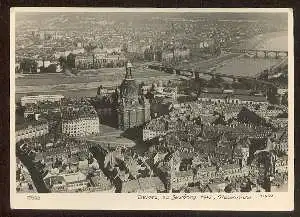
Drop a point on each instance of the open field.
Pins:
(99, 75)
(85, 84)
(66, 93)
(85, 81)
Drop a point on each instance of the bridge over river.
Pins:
(195, 73)
(260, 52)
(211, 70)
(235, 78)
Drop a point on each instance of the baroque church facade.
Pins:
(133, 109)
(125, 108)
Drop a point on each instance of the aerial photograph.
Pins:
(151, 102)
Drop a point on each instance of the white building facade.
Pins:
(40, 98)
(81, 126)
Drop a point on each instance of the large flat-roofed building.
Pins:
(80, 126)
(83, 61)
(40, 98)
(78, 181)
(78, 118)
(70, 182)
(219, 98)
(175, 55)
(100, 60)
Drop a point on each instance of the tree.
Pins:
(28, 65)
(237, 85)
(18, 173)
(124, 48)
(30, 187)
(71, 60)
(284, 100)
(227, 86)
(62, 61)
(215, 82)
(100, 45)
(90, 47)
(228, 188)
(218, 51)
(50, 69)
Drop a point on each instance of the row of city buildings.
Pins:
(44, 113)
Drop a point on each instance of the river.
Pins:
(269, 41)
(273, 41)
(244, 66)
(252, 66)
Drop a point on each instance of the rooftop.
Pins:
(29, 124)
(230, 166)
(240, 97)
(74, 177)
(184, 173)
(100, 181)
(143, 184)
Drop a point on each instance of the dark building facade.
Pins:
(153, 54)
(106, 103)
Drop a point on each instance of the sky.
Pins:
(121, 16)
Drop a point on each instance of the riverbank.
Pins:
(85, 81)
(268, 41)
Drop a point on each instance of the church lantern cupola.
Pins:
(129, 66)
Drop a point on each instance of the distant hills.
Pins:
(55, 20)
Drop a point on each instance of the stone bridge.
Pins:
(261, 53)
(191, 73)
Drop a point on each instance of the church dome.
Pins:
(129, 89)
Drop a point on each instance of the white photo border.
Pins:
(283, 201)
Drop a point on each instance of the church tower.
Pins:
(133, 110)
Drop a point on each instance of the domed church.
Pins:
(128, 87)
(133, 109)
